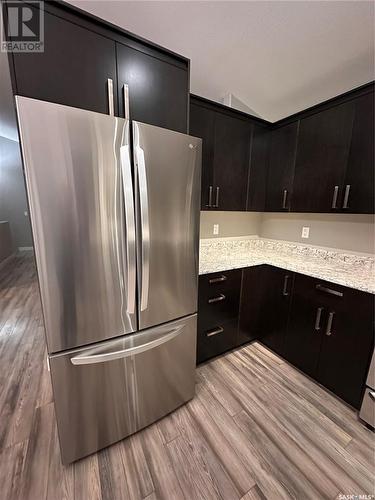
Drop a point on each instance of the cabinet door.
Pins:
(359, 180)
(231, 161)
(252, 307)
(158, 91)
(72, 70)
(307, 319)
(202, 123)
(276, 308)
(322, 155)
(256, 195)
(347, 344)
(265, 301)
(282, 155)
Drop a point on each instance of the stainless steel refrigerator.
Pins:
(115, 217)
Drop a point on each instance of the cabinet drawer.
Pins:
(219, 298)
(215, 340)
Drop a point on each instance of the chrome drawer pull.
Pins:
(346, 196)
(217, 299)
(218, 279)
(285, 195)
(329, 324)
(334, 198)
(216, 331)
(209, 197)
(331, 291)
(318, 317)
(372, 395)
(217, 197)
(285, 289)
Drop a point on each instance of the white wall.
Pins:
(344, 231)
(230, 224)
(13, 204)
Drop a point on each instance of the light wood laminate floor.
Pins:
(256, 429)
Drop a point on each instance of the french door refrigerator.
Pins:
(115, 217)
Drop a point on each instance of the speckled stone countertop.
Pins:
(347, 269)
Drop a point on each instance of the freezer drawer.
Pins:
(107, 392)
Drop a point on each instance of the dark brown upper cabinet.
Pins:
(81, 53)
(322, 156)
(231, 162)
(257, 183)
(282, 156)
(202, 124)
(226, 139)
(358, 185)
(73, 69)
(158, 90)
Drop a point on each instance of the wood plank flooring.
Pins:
(257, 428)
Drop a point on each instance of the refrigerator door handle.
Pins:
(127, 184)
(145, 223)
(97, 355)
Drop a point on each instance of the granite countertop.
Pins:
(337, 266)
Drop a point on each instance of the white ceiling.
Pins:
(277, 57)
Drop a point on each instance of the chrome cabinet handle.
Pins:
(329, 323)
(285, 196)
(372, 394)
(218, 279)
(346, 196)
(98, 354)
(125, 91)
(285, 289)
(318, 318)
(334, 198)
(215, 331)
(217, 197)
(209, 197)
(111, 104)
(331, 291)
(217, 299)
(144, 216)
(127, 185)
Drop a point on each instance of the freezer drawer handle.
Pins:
(331, 291)
(215, 331)
(218, 279)
(127, 184)
(89, 359)
(145, 224)
(217, 299)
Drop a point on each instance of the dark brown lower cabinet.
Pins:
(330, 335)
(265, 301)
(218, 307)
(325, 330)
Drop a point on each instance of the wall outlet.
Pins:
(305, 232)
(216, 228)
